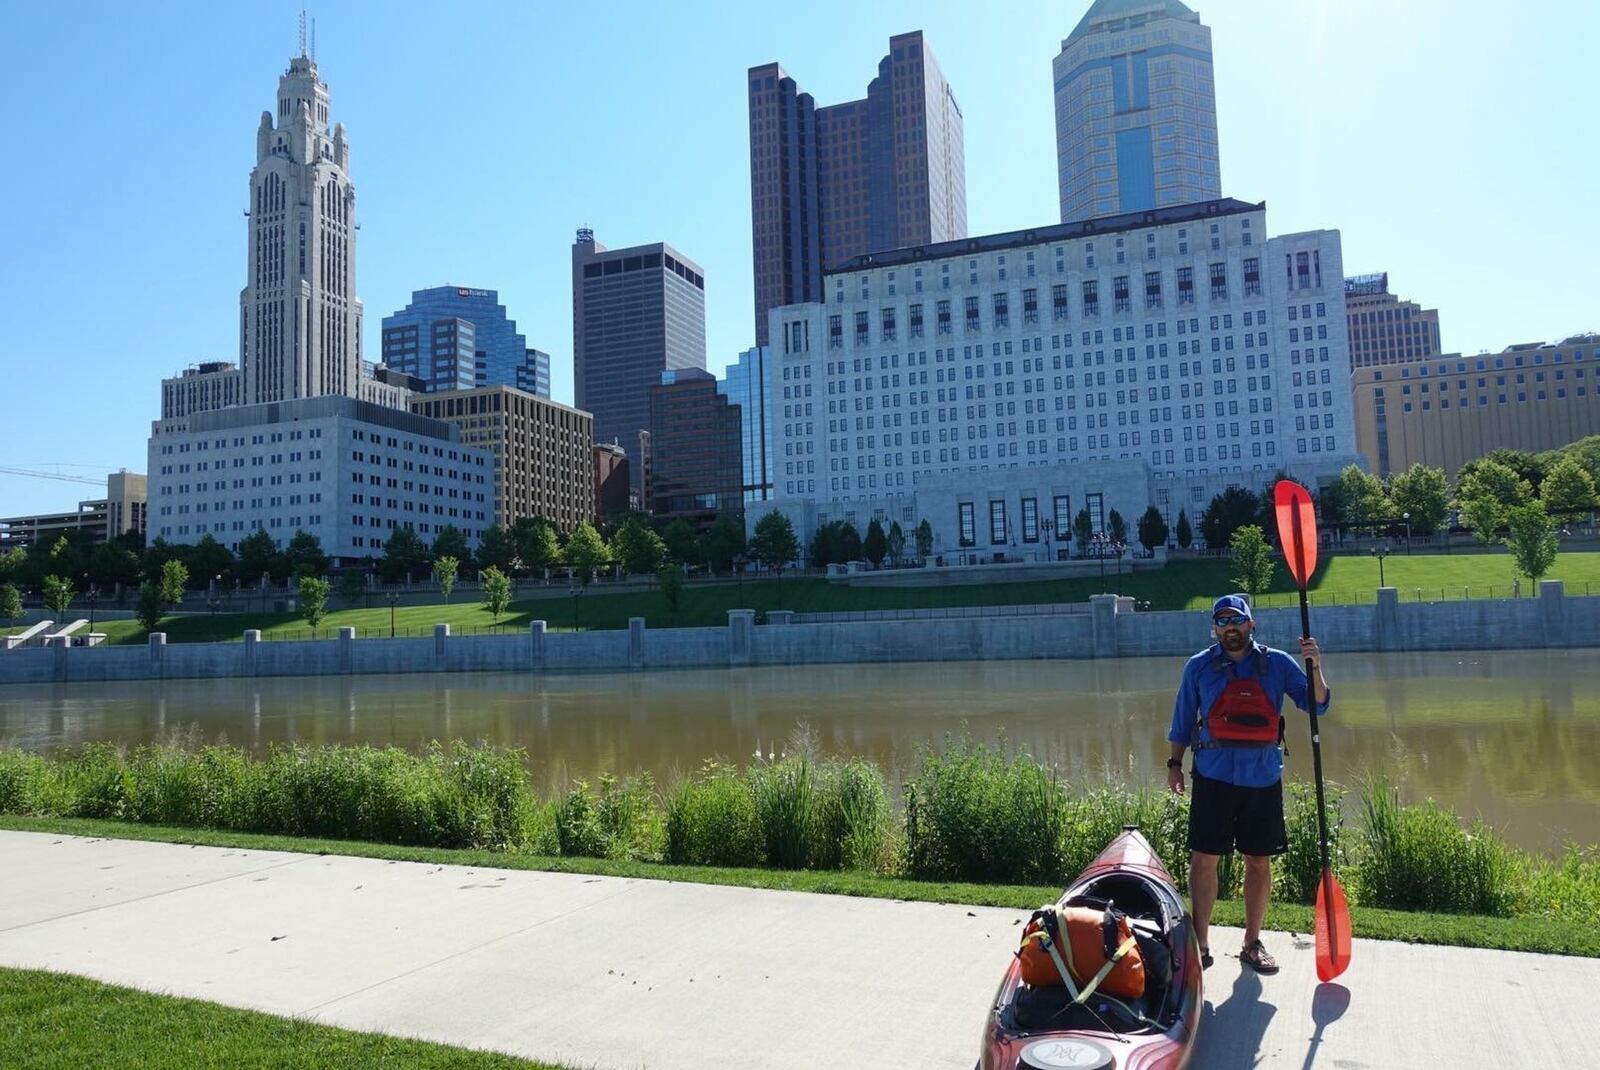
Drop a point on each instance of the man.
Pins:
(1227, 710)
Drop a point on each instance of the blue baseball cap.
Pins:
(1233, 603)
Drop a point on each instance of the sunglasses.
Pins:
(1230, 621)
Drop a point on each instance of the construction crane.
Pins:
(52, 475)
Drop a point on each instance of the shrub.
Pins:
(21, 779)
(623, 821)
(785, 798)
(711, 820)
(1568, 889)
(1093, 820)
(974, 814)
(1419, 858)
(1297, 873)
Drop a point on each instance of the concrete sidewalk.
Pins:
(617, 973)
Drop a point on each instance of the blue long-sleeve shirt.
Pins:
(1204, 678)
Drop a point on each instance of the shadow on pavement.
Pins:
(1230, 1032)
(1327, 1007)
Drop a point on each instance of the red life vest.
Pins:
(1243, 715)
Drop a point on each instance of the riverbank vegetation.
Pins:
(52, 1020)
(973, 815)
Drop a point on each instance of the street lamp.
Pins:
(1381, 552)
(214, 602)
(577, 589)
(738, 570)
(93, 595)
(1407, 518)
(393, 598)
(1045, 526)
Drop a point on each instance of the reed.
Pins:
(1420, 858)
(711, 820)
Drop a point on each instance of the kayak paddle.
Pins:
(1297, 534)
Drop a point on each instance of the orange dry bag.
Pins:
(1086, 941)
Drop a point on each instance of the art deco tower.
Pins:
(299, 317)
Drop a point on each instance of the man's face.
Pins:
(1232, 630)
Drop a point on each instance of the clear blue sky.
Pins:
(1455, 145)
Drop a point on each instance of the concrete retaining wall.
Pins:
(1108, 628)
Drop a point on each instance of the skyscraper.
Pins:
(1384, 328)
(827, 184)
(457, 338)
(299, 317)
(1136, 110)
(745, 385)
(636, 313)
(694, 448)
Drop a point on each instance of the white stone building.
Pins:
(1182, 339)
(299, 316)
(198, 388)
(347, 471)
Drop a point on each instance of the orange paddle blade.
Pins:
(1297, 529)
(1333, 928)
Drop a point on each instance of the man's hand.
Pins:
(1175, 780)
(1310, 652)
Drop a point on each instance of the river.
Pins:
(1511, 736)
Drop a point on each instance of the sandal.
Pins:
(1255, 956)
(1205, 958)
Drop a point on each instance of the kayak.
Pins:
(1039, 1027)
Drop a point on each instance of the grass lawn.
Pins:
(1182, 584)
(53, 1020)
(1512, 934)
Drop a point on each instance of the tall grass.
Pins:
(1420, 858)
(973, 812)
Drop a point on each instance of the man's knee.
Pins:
(1258, 863)
(1199, 860)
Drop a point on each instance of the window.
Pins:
(1152, 291)
(971, 306)
(1030, 306)
(1002, 309)
(1058, 301)
(997, 522)
(1091, 298)
(1252, 277)
(968, 524)
(1119, 294)
(1030, 517)
(1063, 516)
(861, 328)
(1185, 286)
(888, 325)
(943, 314)
(1219, 282)
(915, 320)
(835, 332)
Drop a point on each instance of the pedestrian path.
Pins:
(619, 973)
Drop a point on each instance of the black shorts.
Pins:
(1223, 816)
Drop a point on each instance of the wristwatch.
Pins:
(1174, 763)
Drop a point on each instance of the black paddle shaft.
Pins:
(1316, 737)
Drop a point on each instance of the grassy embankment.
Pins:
(977, 825)
(1182, 584)
(52, 1021)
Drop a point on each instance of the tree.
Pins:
(11, 562)
(1490, 479)
(722, 541)
(449, 542)
(848, 544)
(152, 607)
(1483, 517)
(58, 594)
(1118, 526)
(1227, 513)
(404, 556)
(876, 545)
(682, 541)
(1531, 535)
(1355, 499)
(496, 549)
(1185, 535)
(304, 557)
(537, 546)
(208, 559)
(774, 543)
(444, 570)
(352, 586)
(314, 598)
(1567, 488)
(1423, 492)
(112, 563)
(174, 580)
(638, 549)
(10, 602)
(586, 551)
(1152, 529)
(897, 543)
(1252, 560)
(669, 580)
(496, 591)
(1083, 530)
(258, 556)
(1527, 467)
(924, 539)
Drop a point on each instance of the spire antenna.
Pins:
(302, 31)
(313, 40)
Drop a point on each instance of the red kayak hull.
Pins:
(1003, 1041)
